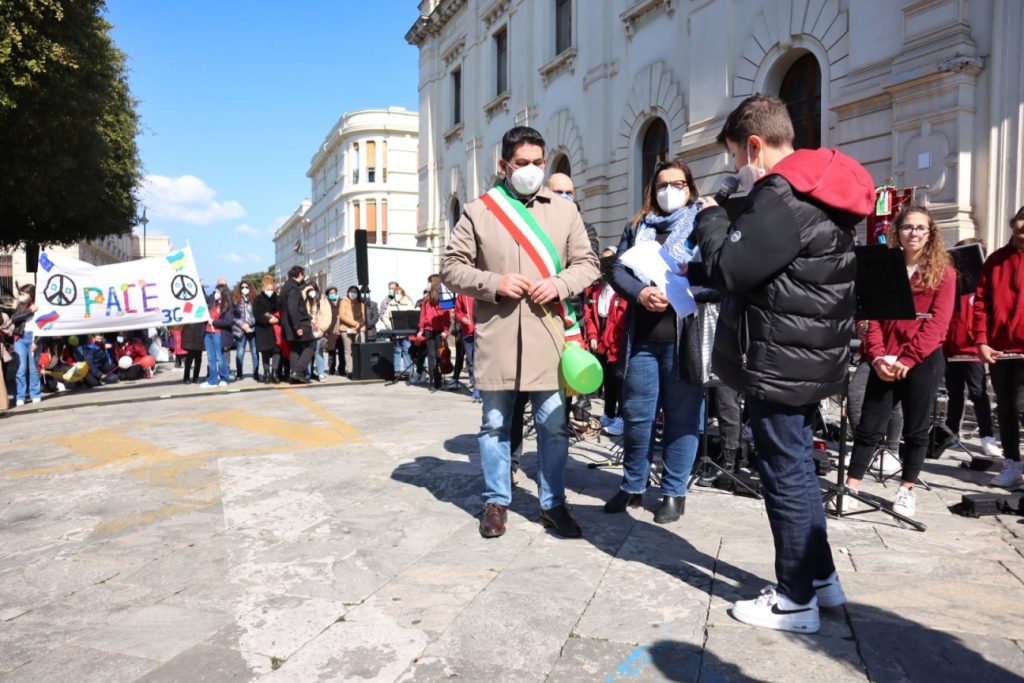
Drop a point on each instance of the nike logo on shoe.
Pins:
(782, 612)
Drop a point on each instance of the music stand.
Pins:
(883, 293)
(705, 461)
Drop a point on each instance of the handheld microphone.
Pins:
(729, 185)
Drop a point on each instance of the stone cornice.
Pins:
(563, 61)
(499, 103)
(430, 25)
(632, 15)
(493, 12)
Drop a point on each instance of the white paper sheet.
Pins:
(647, 261)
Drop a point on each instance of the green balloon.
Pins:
(73, 340)
(581, 370)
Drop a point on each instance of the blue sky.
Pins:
(235, 97)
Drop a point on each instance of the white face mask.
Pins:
(353, 296)
(312, 295)
(216, 296)
(23, 298)
(120, 340)
(268, 292)
(245, 291)
(671, 199)
(527, 180)
(750, 174)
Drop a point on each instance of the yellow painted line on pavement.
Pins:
(306, 434)
(340, 426)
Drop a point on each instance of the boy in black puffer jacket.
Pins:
(786, 269)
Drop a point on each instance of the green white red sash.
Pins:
(527, 233)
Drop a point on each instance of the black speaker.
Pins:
(362, 266)
(373, 360)
(31, 257)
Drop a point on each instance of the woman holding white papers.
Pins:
(652, 376)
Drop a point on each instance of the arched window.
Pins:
(562, 165)
(653, 149)
(801, 91)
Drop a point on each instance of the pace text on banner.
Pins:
(73, 297)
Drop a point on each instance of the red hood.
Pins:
(831, 178)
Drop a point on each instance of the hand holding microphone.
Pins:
(728, 185)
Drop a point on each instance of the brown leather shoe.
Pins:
(492, 522)
(561, 522)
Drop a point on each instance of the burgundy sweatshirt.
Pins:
(999, 301)
(911, 341)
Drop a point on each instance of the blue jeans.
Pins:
(26, 359)
(469, 346)
(652, 379)
(247, 339)
(215, 359)
(552, 446)
(318, 363)
(792, 497)
(401, 359)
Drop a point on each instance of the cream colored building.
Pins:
(928, 92)
(363, 177)
(110, 249)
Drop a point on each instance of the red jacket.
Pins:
(960, 338)
(609, 332)
(999, 301)
(433, 318)
(132, 348)
(911, 341)
(464, 310)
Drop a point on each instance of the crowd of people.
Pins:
(522, 277)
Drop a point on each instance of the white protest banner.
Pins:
(74, 297)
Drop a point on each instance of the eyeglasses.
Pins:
(919, 229)
(566, 195)
(678, 184)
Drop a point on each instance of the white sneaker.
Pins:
(1010, 477)
(849, 505)
(773, 610)
(829, 591)
(888, 461)
(905, 502)
(37, 399)
(222, 383)
(20, 402)
(990, 448)
(615, 428)
(207, 385)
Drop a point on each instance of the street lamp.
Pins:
(143, 221)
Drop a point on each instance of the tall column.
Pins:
(1006, 125)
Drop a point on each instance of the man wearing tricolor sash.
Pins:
(521, 252)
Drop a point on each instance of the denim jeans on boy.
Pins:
(469, 344)
(652, 379)
(552, 446)
(216, 359)
(27, 363)
(246, 340)
(401, 359)
(792, 498)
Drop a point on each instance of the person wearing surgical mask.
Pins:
(332, 342)
(244, 329)
(218, 340)
(650, 360)
(520, 331)
(28, 384)
(352, 324)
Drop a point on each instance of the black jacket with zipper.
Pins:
(786, 268)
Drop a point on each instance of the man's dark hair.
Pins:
(520, 135)
(331, 289)
(761, 115)
(1019, 216)
(296, 271)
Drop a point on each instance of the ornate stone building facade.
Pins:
(928, 92)
(363, 177)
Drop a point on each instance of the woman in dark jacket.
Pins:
(218, 338)
(652, 372)
(264, 310)
(25, 350)
(193, 341)
(242, 330)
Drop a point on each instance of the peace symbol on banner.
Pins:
(184, 288)
(61, 290)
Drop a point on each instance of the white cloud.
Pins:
(186, 199)
(231, 257)
(255, 258)
(246, 229)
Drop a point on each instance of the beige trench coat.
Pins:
(517, 347)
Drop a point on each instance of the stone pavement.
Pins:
(329, 533)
